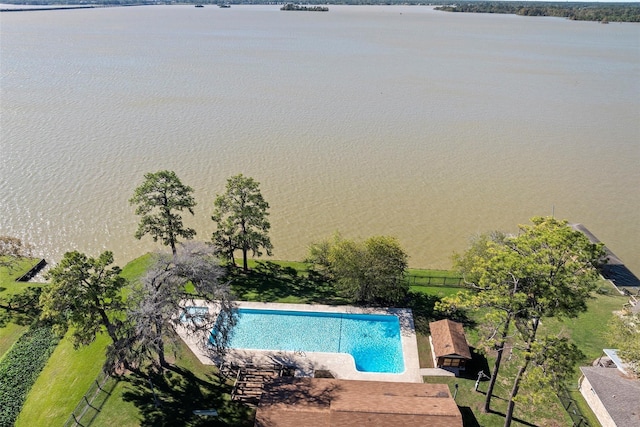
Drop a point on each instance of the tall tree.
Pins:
(547, 270)
(158, 303)
(85, 293)
(159, 199)
(241, 218)
(367, 272)
(474, 265)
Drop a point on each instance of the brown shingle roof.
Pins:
(448, 339)
(296, 402)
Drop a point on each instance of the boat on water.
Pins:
(199, 5)
(224, 5)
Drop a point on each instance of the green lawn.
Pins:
(188, 386)
(62, 383)
(589, 329)
(8, 286)
(69, 373)
(9, 335)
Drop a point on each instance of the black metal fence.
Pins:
(569, 404)
(434, 281)
(92, 402)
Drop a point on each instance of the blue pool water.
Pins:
(372, 340)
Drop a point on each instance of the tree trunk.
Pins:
(496, 366)
(159, 330)
(514, 392)
(245, 264)
(111, 328)
(173, 248)
(161, 358)
(516, 383)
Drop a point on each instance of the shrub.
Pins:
(20, 368)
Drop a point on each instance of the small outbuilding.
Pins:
(449, 345)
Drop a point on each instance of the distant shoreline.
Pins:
(39, 9)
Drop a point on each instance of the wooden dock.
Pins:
(614, 270)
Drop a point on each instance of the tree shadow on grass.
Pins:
(478, 363)
(424, 311)
(270, 282)
(468, 418)
(21, 308)
(169, 399)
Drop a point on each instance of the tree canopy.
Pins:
(159, 199)
(367, 272)
(624, 334)
(85, 294)
(241, 215)
(547, 270)
(157, 303)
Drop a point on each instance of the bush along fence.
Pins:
(20, 367)
(569, 404)
(93, 400)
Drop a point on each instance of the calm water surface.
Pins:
(405, 121)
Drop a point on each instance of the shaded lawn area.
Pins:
(272, 282)
(170, 399)
(588, 331)
(471, 402)
(69, 373)
(293, 282)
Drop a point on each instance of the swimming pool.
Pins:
(372, 339)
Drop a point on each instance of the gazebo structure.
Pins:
(448, 345)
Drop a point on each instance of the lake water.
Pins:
(403, 121)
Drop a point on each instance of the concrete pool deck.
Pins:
(341, 365)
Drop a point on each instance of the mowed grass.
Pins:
(187, 386)
(69, 373)
(10, 333)
(62, 383)
(587, 331)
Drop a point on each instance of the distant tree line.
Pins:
(604, 12)
(245, 2)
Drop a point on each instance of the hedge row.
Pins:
(20, 367)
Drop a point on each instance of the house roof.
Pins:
(619, 394)
(448, 339)
(321, 402)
